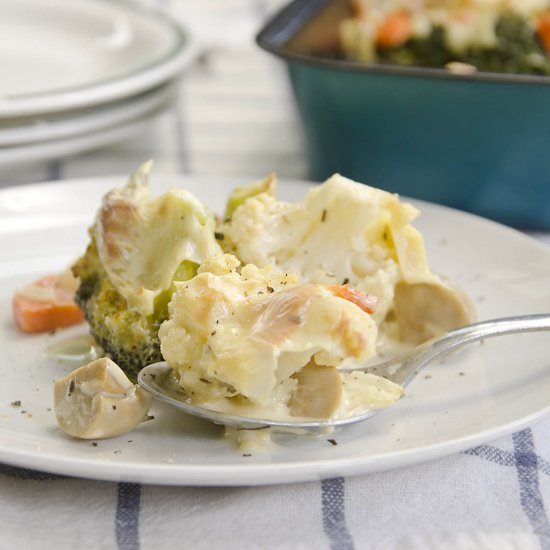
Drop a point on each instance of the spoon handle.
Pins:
(465, 335)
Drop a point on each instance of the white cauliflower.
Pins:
(342, 233)
(141, 241)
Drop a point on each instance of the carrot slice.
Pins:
(364, 301)
(544, 30)
(53, 309)
(395, 30)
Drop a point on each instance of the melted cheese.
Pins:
(239, 341)
(142, 241)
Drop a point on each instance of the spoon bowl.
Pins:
(160, 381)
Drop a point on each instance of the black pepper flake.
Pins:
(205, 380)
(114, 407)
(213, 333)
(332, 441)
(130, 440)
(270, 289)
(247, 454)
(116, 452)
(93, 444)
(324, 215)
(72, 386)
(49, 409)
(23, 411)
(16, 403)
(345, 281)
(219, 236)
(461, 373)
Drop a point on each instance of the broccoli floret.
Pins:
(139, 246)
(518, 50)
(240, 194)
(127, 337)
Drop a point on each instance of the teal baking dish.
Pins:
(475, 142)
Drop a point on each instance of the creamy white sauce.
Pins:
(251, 442)
(79, 349)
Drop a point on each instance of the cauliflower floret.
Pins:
(346, 233)
(141, 241)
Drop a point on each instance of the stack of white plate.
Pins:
(79, 74)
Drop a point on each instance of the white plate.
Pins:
(63, 148)
(472, 397)
(17, 132)
(66, 54)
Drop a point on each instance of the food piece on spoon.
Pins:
(47, 304)
(98, 401)
(344, 232)
(257, 343)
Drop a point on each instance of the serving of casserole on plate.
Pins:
(471, 398)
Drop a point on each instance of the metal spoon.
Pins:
(159, 380)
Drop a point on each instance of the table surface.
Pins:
(235, 117)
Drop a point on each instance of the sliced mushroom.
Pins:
(426, 310)
(319, 392)
(98, 401)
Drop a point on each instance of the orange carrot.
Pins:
(544, 30)
(395, 30)
(53, 309)
(363, 300)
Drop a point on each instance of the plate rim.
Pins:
(250, 474)
(71, 145)
(183, 52)
(37, 130)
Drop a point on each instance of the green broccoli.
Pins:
(139, 246)
(518, 50)
(125, 335)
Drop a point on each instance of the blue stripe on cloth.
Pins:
(24, 473)
(334, 518)
(529, 488)
(493, 454)
(544, 465)
(127, 516)
(505, 458)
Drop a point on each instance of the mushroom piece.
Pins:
(428, 309)
(319, 391)
(98, 401)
